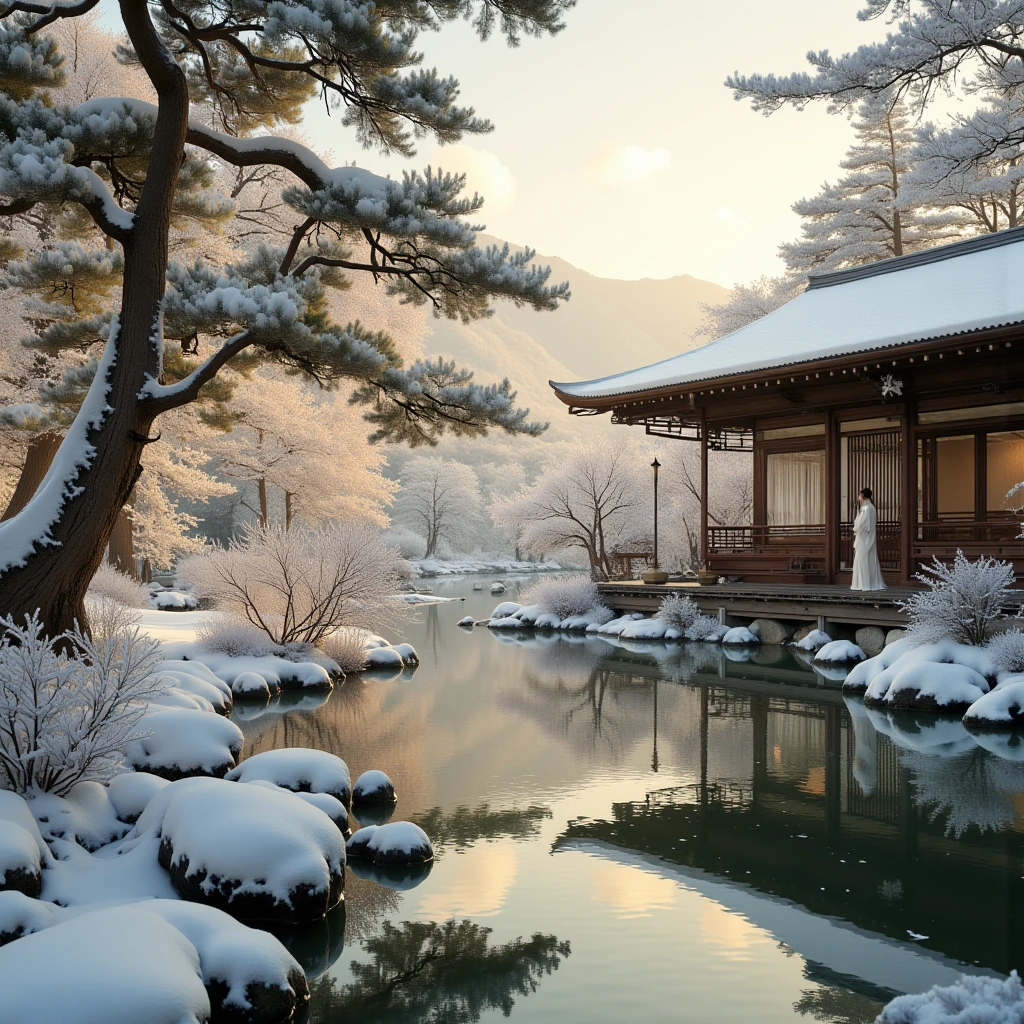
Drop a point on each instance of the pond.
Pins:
(656, 833)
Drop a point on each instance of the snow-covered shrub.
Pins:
(704, 628)
(67, 718)
(565, 597)
(679, 611)
(112, 583)
(231, 635)
(972, 998)
(962, 601)
(300, 585)
(408, 543)
(108, 617)
(347, 647)
(1007, 650)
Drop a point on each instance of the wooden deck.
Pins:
(737, 603)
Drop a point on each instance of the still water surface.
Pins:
(656, 833)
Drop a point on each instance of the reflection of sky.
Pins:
(524, 723)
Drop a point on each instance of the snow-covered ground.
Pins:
(424, 567)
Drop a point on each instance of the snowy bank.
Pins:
(427, 567)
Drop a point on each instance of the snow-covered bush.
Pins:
(565, 597)
(237, 637)
(962, 601)
(704, 628)
(679, 611)
(112, 583)
(67, 718)
(1007, 649)
(300, 585)
(408, 543)
(972, 998)
(347, 647)
(108, 617)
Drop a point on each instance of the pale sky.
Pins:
(617, 147)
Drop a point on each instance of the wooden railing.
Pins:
(726, 539)
(969, 531)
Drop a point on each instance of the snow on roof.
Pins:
(966, 286)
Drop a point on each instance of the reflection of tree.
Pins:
(465, 826)
(837, 1006)
(436, 973)
(972, 789)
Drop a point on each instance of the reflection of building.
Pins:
(793, 823)
(904, 376)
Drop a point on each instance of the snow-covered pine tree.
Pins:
(968, 167)
(865, 216)
(122, 161)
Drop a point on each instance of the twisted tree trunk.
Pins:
(53, 577)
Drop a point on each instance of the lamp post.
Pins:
(654, 573)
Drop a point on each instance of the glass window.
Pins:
(954, 477)
(796, 488)
(1004, 470)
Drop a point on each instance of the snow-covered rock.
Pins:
(259, 853)
(839, 652)
(915, 666)
(225, 667)
(498, 588)
(20, 861)
(86, 816)
(300, 769)
(130, 793)
(930, 686)
(508, 622)
(249, 685)
(398, 842)
(373, 787)
(173, 601)
(1001, 708)
(739, 636)
(218, 695)
(506, 609)
(384, 657)
(467, 620)
(14, 808)
(613, 627)
(159, 961)
(974, 999)
(649, 629)
(23, 915)
(408, 653)
(179, 743)
(813, 640)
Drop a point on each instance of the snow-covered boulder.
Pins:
(974, 999)
(86, 816)
(331, 806)
(261, 854)
(225, 667)
(498, 588)
(14, 808)
(22, 915)
(945, 662)
(384, 657)
(251, 685)
(173, 601)
(178, 743)
(159, 961)
(740, 636)
(813, 640)
(467, 621)
(218, 696)
(20, 860)
(613, 627)
(300, 769)
(650, 629)
(506, 609)
(508, 622)
(1001, 708)
(408, 653)
(862, 675)
(930, 686)
(130, 793)
(172, 697)
(399, 843)
(373, 787)
(839, 652)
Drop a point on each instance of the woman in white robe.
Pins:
(867, 571)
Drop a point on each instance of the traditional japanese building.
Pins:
(905, 376)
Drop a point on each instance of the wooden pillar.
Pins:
(704, 487)
(908, 491)
(832, 514)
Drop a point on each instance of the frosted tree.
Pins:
(969, 168)
(314, 454)
(126, 164)
(440, 499)
(930, 50)
(593, 500)
(746, 303)
(865, 216)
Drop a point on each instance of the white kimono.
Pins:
(867, 572)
